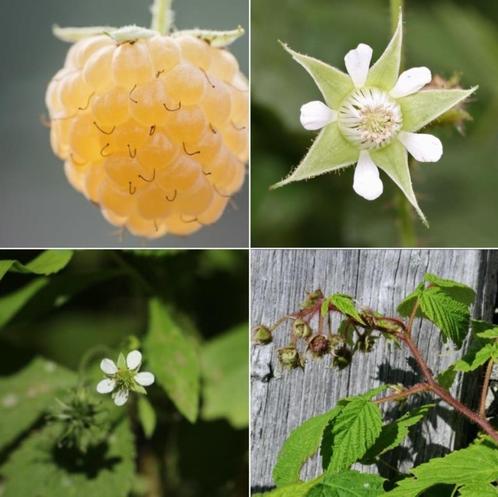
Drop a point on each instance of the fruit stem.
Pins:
(162, 16)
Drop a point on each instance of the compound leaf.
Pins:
(26, 395)
(224, 369)
(173, 359)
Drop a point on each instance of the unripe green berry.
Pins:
(301, 329)
(342, 357)
(262, 335)
(289, 357)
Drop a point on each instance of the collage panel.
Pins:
(124, 123)
(374, 372)
(124, 373)
(373, 123)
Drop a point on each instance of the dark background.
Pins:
(457, 194)
(38, 208)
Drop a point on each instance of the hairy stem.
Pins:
(162, 16)
(485, 388)
(406, 226)
(404, 394)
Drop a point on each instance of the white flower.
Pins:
(123, 377)
(370, 118)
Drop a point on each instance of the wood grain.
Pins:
(378, 279)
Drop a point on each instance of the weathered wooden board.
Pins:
(379, 279)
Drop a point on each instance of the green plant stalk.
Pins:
(162, 16)
(406, 226)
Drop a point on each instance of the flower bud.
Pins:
(342, 357)
(289, 357)
(319, 345)
(262, 335)
(301, 329)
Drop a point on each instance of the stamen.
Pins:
(369, 118)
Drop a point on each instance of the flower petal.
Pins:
(120, 397)
(411, 81)
(367, 182)
(134, 359)
(358, 62)
(106, 386)
(316, 115)
(144, 378)
(108, 366)
(423, 147)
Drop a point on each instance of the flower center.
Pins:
(369, 118)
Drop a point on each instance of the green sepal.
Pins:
(121, 361)
(73, 34)
(329, 152)
(334, 84)
(384, 73)
(393, 160)
(425, 106)
(138, 388)
(217, 39)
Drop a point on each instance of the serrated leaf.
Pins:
(425, 106)
(478, 490)
(300, 489)
(454, 289)
(345, 304)
(405, 308)
(348, 484)
(384, 73)
(334, 84)
(48, 262)
(449, 315)
(26, 395)
(394, 433)
(301, 444)
(349, 435)
(12, 303)
(147, 416)
(477, 464)
(476, 357)
(225, 366)
(173, 359)
(36, 469)
(490, 334)
(330, 152)
(393, 160)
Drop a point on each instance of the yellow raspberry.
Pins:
(153, 130)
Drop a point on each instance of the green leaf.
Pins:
(384, 73)
(393, 160)
(477, 464)
(345, 304)
(12, 303)
(26, 395)
(225, 366)
(330, 151)
(455, 290)
(334, 84)
(348, 484)
(478, 490)
(477, 357)
(425, 106)
(147, 416)
(351, 433)
(449, 315)
(38, 468)
(300, 489)
(301, 444)
(394, 433)
(173, 359)
(48, 262)
(491, 334)
(447, 377)
(405, 308)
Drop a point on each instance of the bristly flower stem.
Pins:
(162, 16)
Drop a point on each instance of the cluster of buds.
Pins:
(356, 332)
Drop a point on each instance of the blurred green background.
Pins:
(38, 206)
(101, 299)
(458, 194)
